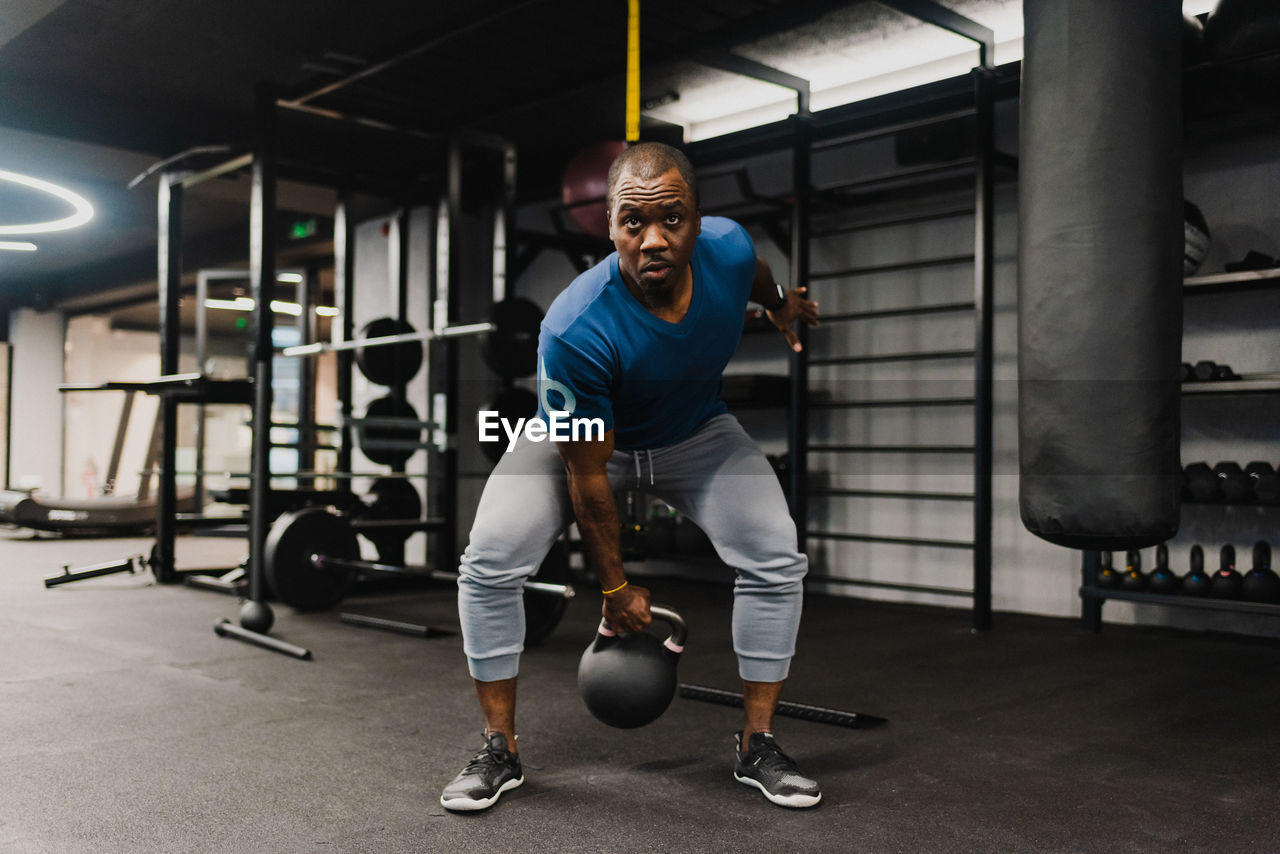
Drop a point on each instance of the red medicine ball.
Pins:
(583, 186)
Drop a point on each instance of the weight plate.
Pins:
(392, 498)
(408, 437)
(511, 348)
(389, 364)
(293, 539)
(543, 611)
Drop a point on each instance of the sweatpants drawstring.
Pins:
(635, 455)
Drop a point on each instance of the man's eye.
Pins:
(673, 219)
(631, 222)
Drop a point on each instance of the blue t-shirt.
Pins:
(602, 354)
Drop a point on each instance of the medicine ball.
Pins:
(583, 186)
(1195, 238)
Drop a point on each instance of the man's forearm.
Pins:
(597, 514)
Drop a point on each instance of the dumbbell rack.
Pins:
(1092, 596)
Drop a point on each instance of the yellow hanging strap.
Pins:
(633, 70)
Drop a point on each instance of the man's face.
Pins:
(653, 224)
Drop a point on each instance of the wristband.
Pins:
(782, 298)
(616, 589)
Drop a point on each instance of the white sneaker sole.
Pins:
(470, 805)
(792, 801)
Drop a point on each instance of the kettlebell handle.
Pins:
(679, 631)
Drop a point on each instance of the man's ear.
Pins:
(697, 217)
(608, 218)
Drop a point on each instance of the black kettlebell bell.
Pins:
(1261, 584)
(1162, 579)
(628, 680)
(1133, 579)
(1227, 583)
(1197, 582)
(1108, 576)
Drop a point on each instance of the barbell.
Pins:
(312, 556)
(509, 344)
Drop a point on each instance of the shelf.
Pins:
(1202, 602)
(1247, 384)
(1244, 280)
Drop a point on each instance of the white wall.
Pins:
(35, 437)
(94, 354)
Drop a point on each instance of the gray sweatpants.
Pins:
(717, 477)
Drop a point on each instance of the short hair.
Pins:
(648, 160)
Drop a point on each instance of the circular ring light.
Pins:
(82, 213)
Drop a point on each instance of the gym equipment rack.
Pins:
(806, 133)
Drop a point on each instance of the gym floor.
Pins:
(128, 726)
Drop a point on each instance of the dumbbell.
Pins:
(1196, 582)
(1266, 483)
(1133, 579)
(1163, 579)
(1227, 583)
(1261, 584)
(1108, 576)
(1202, 483)
(1235, 485)
(1205, 371)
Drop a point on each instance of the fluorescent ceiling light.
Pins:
(17, 245)
(81, 213)
(278, 306)
(849, 55)
(237, 304)
(292, 278)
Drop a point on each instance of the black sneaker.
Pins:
(773, 772)
(491, 772)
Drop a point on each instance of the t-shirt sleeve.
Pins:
(572, 381)
(737, 252)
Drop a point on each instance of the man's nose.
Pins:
(653, 240)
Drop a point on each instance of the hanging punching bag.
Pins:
(1100, 278)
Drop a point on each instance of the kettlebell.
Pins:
(1133, 579)
(1197, 582)
(1108, 576)
(628, 680)
(1261, 584)
(1162, 579)
(1227, 583)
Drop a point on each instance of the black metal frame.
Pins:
(801, 138)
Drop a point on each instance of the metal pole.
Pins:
(504, 229)
(984, 300)
(344, 274)
(306, 291)
(202, 355)
(447, 553)
(169, 278)
(262, 278)
(798, 411)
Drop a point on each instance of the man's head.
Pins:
(649, 160)
(653, 220)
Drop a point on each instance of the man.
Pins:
(640, 341)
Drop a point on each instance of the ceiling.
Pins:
(96, 91)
